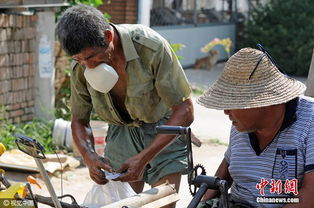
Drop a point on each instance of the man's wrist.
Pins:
(145, 156)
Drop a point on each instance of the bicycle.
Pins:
(13, 191)
(198, 183)
(33, 148)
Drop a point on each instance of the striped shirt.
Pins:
(289, 156)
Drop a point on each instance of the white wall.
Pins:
(194, 38)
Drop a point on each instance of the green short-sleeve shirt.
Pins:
(155, 80)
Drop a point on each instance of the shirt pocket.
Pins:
(143, 102)
(285, 164)
(140, 90)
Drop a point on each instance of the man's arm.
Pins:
(306, 193)
(84, 140)
(223, 173)
(182, 116)
(81, 107)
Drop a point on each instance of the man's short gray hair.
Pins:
(80, 27)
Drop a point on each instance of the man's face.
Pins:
(247, 120)
(92, 57)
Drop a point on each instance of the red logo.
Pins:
(290, 186)
(276, 186)
(261, 186)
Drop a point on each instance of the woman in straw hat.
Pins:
(271, 147)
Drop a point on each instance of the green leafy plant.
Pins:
(177, 47)
(94, 3)
(285, 29)
(40, 130)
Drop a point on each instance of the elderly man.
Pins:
(132, 78)
(271, 148)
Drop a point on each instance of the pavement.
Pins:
(77, 182)
(209, 124)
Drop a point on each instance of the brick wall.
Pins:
(121, 11)
(17, 66)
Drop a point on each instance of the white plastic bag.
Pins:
(101, 195)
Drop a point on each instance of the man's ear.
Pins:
(108, 35)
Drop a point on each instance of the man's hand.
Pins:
(132, 169)
(96, 166)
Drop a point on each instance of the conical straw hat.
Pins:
(239, 88)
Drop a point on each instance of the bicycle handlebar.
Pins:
(209, 182)
(165, 129)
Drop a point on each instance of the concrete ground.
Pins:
(78, 183)
(208, 124)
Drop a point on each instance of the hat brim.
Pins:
(228, 96)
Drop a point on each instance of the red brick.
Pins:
(19, 21)
(19, 84)
(9, 33)
(5, 86)
(11, 20)
(4, 73)
(33, 20)
(12, 59)
(15, 113)
(23, 105)
(20, 72)
(24, 118)
(30, 102)
(24, 46)
(15, 84)
(3, 20)
(121, 10)
(19, 96)
(20, 58)
(17, 46)
(26, 21)
(10, 46)
(25, 70)
(29, 33)
(16, 120)
(9, 98)
(32, 70)
(32, 58)
(29, 110)
(15, 106)
(2, 101)
(26, 57)
(30, 117)
(30, 81)
(3, 34)
(4, 47)
(17, 34)
(4, 60)
(29, 95)
(32, 45)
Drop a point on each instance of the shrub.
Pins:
(285, 29)
(40, 130)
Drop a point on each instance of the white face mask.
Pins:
(102, 78)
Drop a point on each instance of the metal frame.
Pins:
(27, 6)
